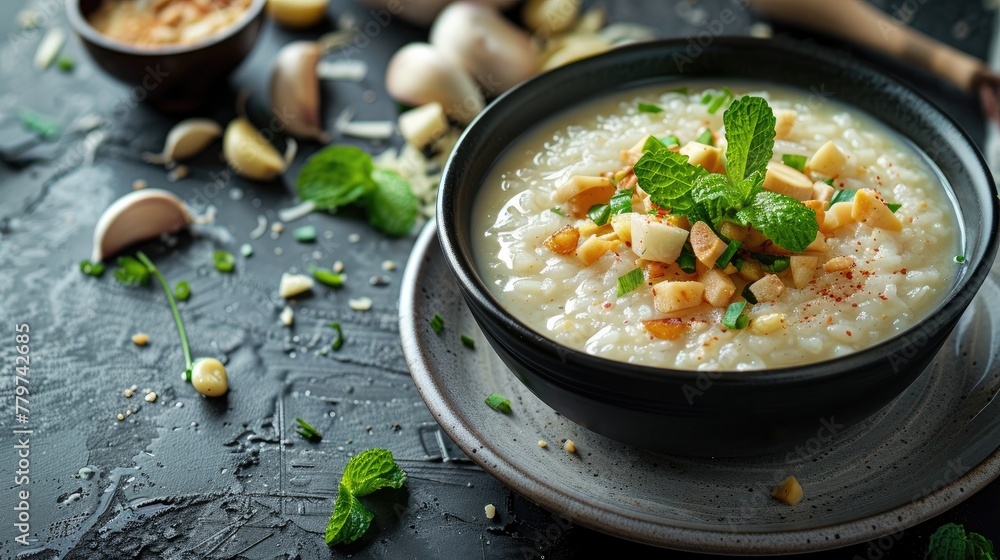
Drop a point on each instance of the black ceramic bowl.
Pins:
(734, 413)
(173, 78)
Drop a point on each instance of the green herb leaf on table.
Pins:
(350, 519)
(182, 290)
(336, 176)
(339, 341)
(131, 272)
(951, 542)
(392, 206)
(65, 64)
(91, 269)
(499, 403)
(327, 276)
(306, 430)
(224, 261)
(305, 234)
(469, 342)
(372, 470)
(42, 125)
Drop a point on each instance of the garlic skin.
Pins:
(297, 14)
(419, 74)
(475, 37)
(295, 89)
(250, 155)
(137, 216)
(422, 12)
(186, 139)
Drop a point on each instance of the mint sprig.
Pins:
(367, 472)
(736, 196)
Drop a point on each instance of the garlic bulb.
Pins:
(419, 74)
(496, 53)
(295, 89)
(186, 139)
(137, 216)
(250, 154)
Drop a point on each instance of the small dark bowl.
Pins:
(174, 78)
(725, 413)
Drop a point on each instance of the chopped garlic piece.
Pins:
(491, 511)
(294, 284)
(287, 316)
(360, 304)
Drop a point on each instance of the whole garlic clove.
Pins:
(546, 18)
(250, 155)
(186, 139)
(138, 216)
(419, 74)
(496, 53)
(295, 98)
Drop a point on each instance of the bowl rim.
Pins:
(946, 313)
(81, 25)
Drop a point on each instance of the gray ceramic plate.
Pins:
(930, 449)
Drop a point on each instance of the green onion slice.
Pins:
(794, 161)
(734, 317)
(649, 108)
(748, 295)
(499, 403)
(630, 281)
(437, 323)
(224, 261)
(728, 254)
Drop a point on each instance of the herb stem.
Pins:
(173, 306)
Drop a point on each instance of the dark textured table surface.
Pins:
(187, 477)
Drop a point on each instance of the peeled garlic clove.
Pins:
(479, 40)
(424, 124)
(545, 18)
(186, 139)
(137, 216)
(292, 285)
(295, 89)
(576, 49)
(419, 74)
(249, 153)
(297, 14)
(208, 377)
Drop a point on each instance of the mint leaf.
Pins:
(668, 178)
(716, 199)
(371, 470)
(335, 176)
(784, 220)
(749, 124)
(392, 207)
(349, 521)
(950, 542)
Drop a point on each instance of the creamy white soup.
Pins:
(639, 229)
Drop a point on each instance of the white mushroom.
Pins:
(496, 53)
(419, 74)
(138, 216)
(420, 12)
(295, 89)
(186, 139)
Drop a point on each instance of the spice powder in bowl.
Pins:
(157, 23)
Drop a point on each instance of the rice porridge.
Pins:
(716, 229)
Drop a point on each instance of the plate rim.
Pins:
(644, 529)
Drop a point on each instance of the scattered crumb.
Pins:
(491, 511)
(388, 266)
(542, 443)
(360, 304)
(140, 339)
(278, 251)
(129, 392)
(120, 416)
(246, 249)
(150, 397)
(368, 96)
(354, 238)
(569, 446)
(139, 184)
(338, 267)
(277, 227)
(789, 491)
(287, 316)
(177, 173)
